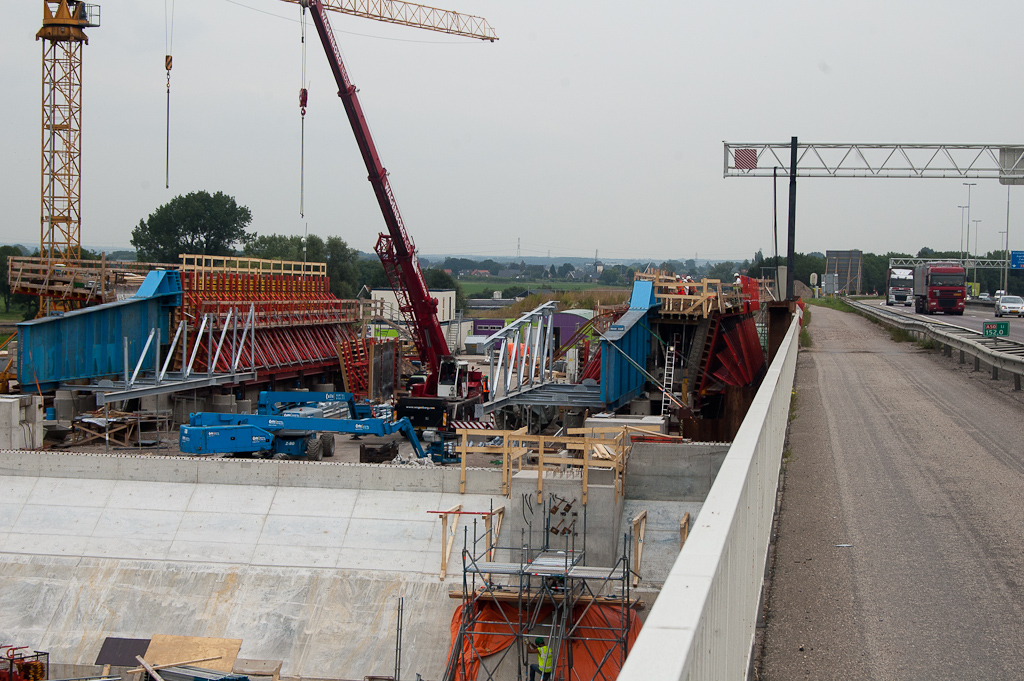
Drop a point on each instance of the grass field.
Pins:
(477, 286)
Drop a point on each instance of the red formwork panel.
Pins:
(297, 321)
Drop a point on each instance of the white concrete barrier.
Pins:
(702, 625)
(229, 471)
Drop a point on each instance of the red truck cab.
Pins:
(940, 287)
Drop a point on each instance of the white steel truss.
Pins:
(1004, 162)
(979, 263)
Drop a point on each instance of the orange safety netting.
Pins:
(592, 660)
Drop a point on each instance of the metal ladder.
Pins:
(454, 331)
(670, 374)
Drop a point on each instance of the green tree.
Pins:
(439, 280)
(723, 271)
(371, 274)
(197, 222)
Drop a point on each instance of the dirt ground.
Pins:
(897, 547)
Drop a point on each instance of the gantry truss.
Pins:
(979, 263)
(840, 159)
(585, 614)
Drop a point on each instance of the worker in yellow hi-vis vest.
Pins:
(545, 660)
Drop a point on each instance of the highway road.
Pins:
(972, 318)
(898, 548)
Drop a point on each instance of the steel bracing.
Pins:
(980, 263)
(583, 613)
(841, 159)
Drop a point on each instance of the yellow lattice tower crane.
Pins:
(58, 276)
(63, 37)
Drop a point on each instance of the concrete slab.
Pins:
(661, 538)
(309, 575)
(315, 502)
(248, 499)
(71, 492)
(304, 531)
(16, 490)
(142, 494)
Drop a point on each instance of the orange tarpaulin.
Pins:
(592, 660)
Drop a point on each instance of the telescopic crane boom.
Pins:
(395, 249)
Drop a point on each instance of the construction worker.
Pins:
(545, 660)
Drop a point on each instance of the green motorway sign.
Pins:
(992, 329)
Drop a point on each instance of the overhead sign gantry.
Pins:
(1004, 162)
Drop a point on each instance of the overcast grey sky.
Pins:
(588, 125)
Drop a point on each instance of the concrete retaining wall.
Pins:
(673, 472)
(21, 421)
(603, 515)
(264, 472)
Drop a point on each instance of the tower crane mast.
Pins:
(63, 37)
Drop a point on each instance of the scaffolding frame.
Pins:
(546, 582)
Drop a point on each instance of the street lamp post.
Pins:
(1002, 275)
(975, 248)
(1006, 262)
(961, 231)
(969, 185)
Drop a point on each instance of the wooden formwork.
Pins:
(579, 449)
(702, 298)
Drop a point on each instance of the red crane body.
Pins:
(447, 379)
(396, 250)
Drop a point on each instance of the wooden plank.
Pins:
(462, 479)
(149, 668)
(166, 649)
(136, 670)
(509, 595)
(540, 479)
(586, 473)
(684, 529)
(639, 529)
(448, 538)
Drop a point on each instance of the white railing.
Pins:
(702, 625)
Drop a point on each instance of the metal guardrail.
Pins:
(999, 353)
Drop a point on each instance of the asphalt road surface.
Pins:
(898, 552)
(972, 318)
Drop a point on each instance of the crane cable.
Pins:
(168, 42)
(303, 95)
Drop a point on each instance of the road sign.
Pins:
(1017, 260)
(992, 329)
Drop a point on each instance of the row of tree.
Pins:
(214, 224)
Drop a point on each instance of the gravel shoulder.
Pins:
(898, 543)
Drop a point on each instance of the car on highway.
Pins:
(1010, 305)
(984, 296)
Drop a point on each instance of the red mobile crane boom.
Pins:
(396, 250)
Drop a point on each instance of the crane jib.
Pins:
(397, 253)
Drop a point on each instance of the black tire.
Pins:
(327, 444)
(314, 448)
(889, 303)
